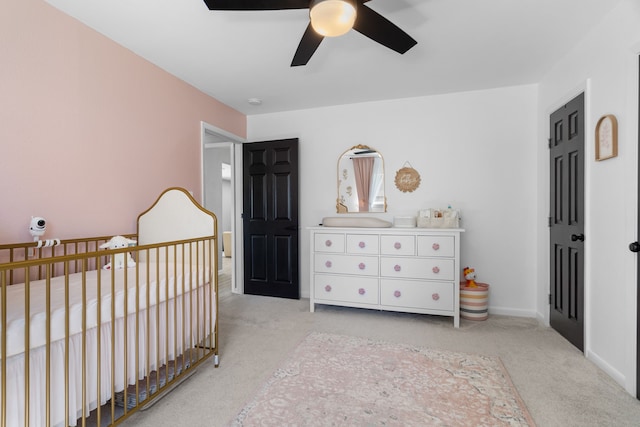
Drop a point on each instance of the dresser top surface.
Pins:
(386, 230)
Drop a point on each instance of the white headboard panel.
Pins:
(175, 216)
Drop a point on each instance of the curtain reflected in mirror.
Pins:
(361, 181)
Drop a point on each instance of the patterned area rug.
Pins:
(333, 380)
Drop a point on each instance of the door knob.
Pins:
(575, 237)
(634, 247)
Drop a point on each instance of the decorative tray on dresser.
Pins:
(414, 270)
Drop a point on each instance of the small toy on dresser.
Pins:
(118, 242)
(470, 276)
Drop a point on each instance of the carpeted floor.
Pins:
(337, 380)
(559, 386)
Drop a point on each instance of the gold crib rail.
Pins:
(140, 330)
(14, 252)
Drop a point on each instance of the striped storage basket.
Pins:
(474, 302)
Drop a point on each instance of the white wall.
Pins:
(605, 64)
(473, 150)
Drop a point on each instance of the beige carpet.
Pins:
(561, 388)
(336, 380)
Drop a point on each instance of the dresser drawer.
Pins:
(346, 264)
(329, 242)
(397, 245)
(417, 268)
(438, 246)
(362, 244)
(362, 290)
(417, 294)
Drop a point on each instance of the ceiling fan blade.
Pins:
(378, 28)
(308, 45)
(256, 4)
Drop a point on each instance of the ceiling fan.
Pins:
(328, 18)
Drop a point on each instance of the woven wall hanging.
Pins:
(407, 178)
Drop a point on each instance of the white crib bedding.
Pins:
(166, 329)
(16, 299)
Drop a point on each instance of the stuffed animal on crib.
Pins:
(118, 242)
(470, 276)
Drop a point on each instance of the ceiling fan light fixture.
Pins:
(332, 18)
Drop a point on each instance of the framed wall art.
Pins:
(606, 137)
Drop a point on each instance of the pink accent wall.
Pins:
(90, 133)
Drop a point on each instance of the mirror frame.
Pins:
(341, 207)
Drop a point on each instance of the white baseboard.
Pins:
(610, 370)
(516, 312)
(542, 320)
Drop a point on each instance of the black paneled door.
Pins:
(635, 247)
(270, 218)
(566, 221)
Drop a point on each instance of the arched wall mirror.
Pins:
(361, 181)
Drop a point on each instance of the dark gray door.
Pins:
(635, 247)
(566, 221)
(270, 218)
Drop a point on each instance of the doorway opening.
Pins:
(219, 177)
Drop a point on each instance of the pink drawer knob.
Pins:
(361, 266)
(435, 269)
(327, 288)
(361, 291)
(397, 267)
(435, 297)
(397, 245)
(397, 294)
(435, 246)
(327, 264)
(361, 244)
(328, 243)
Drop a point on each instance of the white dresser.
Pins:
(414, 270)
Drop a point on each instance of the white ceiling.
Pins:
(233, 56)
